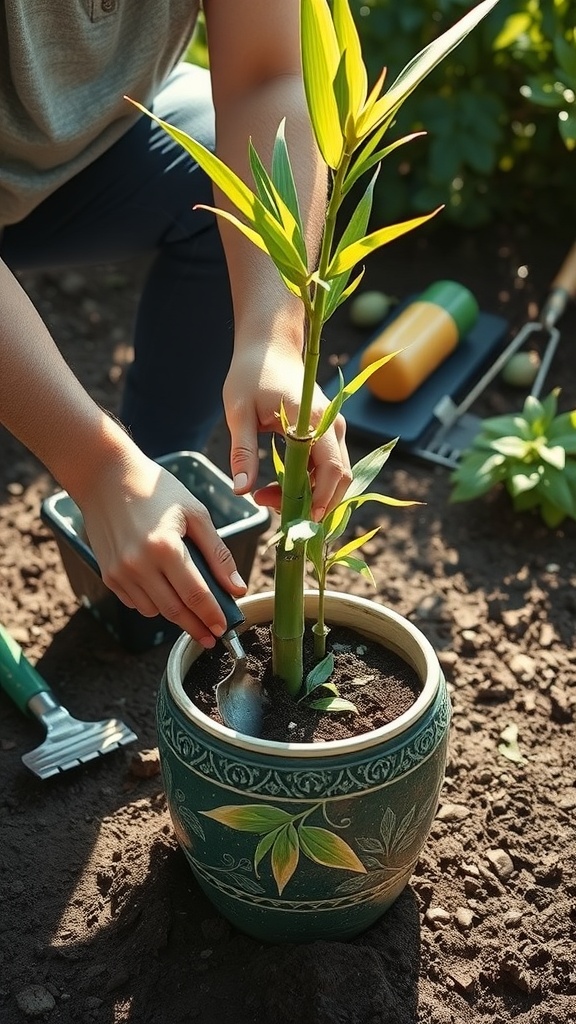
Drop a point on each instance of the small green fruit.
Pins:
(370, 308)
(521, 369)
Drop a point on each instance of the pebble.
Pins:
(35, 1000)
(513, 919)
(501, 863)
(452, 812)
(464, 918)
(437, 917)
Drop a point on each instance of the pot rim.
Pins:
(186, 650)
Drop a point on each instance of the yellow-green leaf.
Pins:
(320, 59)
(364, 246)
(422, 64)
(354, 544)
(349, 43)
(276, 242)
(285, 856)
(329, 849)
(249, 817)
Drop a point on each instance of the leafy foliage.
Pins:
(500, 111)
(532, 454)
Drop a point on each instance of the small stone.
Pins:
(35, 1000)
(501, 863)
(464, 918)
(513, 919)
(145, 764)
(15, 488)
(437, 917)
(452, 812)
(462, 979)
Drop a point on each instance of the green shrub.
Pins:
(492, 111)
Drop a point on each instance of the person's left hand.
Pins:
(261, 377)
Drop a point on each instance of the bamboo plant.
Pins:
(350, 120)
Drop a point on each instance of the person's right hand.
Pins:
(136, 515)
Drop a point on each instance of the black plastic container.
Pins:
(238, 520)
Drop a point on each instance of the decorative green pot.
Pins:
(296, 842)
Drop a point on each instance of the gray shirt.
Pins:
(65, 66)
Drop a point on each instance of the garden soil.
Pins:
(100, 919)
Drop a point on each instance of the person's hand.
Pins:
(260, 378)
(135, 516)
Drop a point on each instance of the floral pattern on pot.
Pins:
(297, 842)
(331, 851)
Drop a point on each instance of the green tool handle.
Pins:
(18, 678)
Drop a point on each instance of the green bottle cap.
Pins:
(457, 300)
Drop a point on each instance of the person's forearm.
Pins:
(41, 401)
(260, 298)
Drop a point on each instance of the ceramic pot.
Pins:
(296, 842)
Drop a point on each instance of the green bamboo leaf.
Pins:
(383, 499)
(327, 848)
(357, 382)
(266, 193)
(368, 162)
(277, 462)
(320, 673)
(331, 411)
(348, 257)
(349, 43)
(339, 292)
(320, 59)
(260, 220)
(249, 817)
(315, 552)
(283, 176)
(274, 202)
(353, 545)
(299, 532)
(355, 565)
(366, 469)
(360, 218)
(333, 704)
(336, 522)
(422, 64)
(285, 856)
(268, 241)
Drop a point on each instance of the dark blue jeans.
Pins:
(138, 199)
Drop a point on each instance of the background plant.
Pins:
(500, 111)
(531, 454)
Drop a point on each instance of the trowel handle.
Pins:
(234, 617)
(562, 289)
(18, 678)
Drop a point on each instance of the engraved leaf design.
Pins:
(192, 821)
(245, 883)
(249, 817)
(328, 849)
(285, 856)
(387, 826)
(369, 845)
